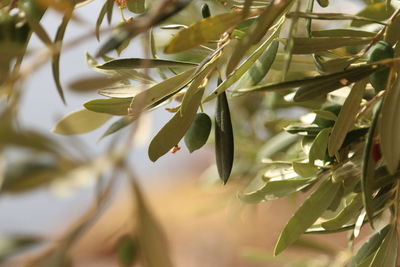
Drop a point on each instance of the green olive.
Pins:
(378, 79)
(198, 132)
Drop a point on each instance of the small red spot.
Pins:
(376, 152)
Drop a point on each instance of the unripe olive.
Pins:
(205, 11)
(198, 132)
(378, 79)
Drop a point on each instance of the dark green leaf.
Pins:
(55, 62)
(307, 214)
(224, 143)
(317, 44)
(368, 167)
(342, 33)
(127, 251)
(136, 63)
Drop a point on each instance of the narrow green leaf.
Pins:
(368, 167)
(100, 19)
(276, 189)
(272, 13)
(345, 215)
(79, 122)
(387, 252)
(124, 91)
(110, 8)
(336, 16)
(152, 241)
(247, 65)
(342, 33)
(175, 129)
(55, 61)
(375, 11)
(307, 214)
(93, 82)
(346, 117)
(369, 247)
(202, 32)
(161, 90)
(312, 45)
(198, 132)
(390, 128)
(224, 143)
(316, 81)
(118, 125)
(113, 106)
(319, 146)
(137, 63)
(136, 6)
(260, 68)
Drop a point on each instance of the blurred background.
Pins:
(205, 223)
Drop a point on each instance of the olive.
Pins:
(378, 79)
(198, 132)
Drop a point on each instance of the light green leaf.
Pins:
(307, 214)
(118, 125)
(370, 247)
(113, 106)
(93, 83)
(304, 169)
(271, 14)
(276, 189)
(375, 11)
(346, 117)
(203, 31)
(260, 68)
(79, 122)
(175, 129)
(100, 18)
(387, 252)
(124, 91)
(312, 45)
(248, 64)
(319, 146)
(136, 6)
(390, 128)
(351, 211)
(137, 63)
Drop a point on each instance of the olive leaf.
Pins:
(133, 63)
(307, 214)
(312, 45)
(390, 128)
(79, 122)
(387, 252)
(368, 167)
(202, 32)
(375, 12)
(175, 129)
(113, 106)
(346, 117)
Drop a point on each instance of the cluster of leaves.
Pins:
(348, 156)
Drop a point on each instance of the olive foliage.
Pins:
(246, 60)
